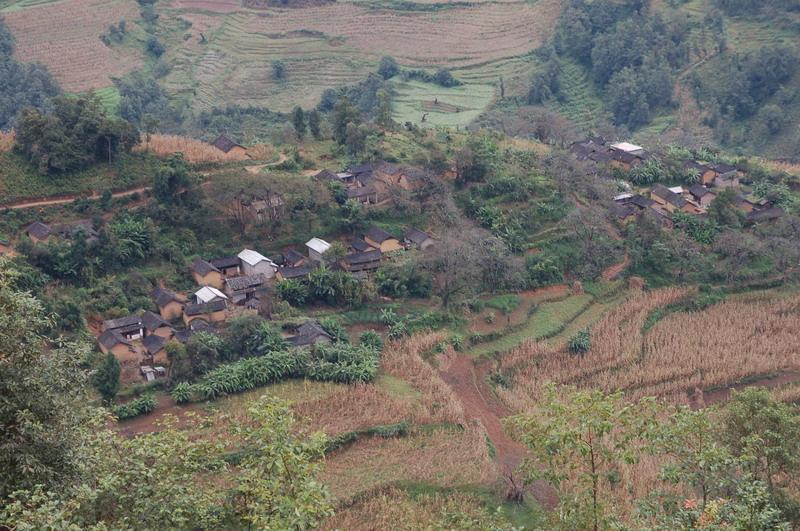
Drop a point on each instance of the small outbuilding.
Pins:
(254, 263)
(228, 146)
(317, 247)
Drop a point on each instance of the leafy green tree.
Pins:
(278, 70)
(344, 115)
(764, 433)
(723, 209)
(171, 179)
(581, 342)
(155, 46)
(293, 291)
(45, 400)
(106, 378)
(579, 439)
(299, 122)
(314, 123)
(383, 114)
(387, 67)
(371, 339)
(237, 336)
(265, 339)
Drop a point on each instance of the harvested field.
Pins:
(739, 340)
(448, 456)
(194, 150)
(65, 36)
(358, 407)
(392, 508)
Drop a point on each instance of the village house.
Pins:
(170, 305)
(345, 177)
(38, 232)
(416, 238)
(625, 155)
(241, 289)
(317, 248)
(727, 176)
(705, 171)
(228, 266)
(206, 274)
(155, 350)
(309, 333)
(382, 240)
(670, 200)
(763, 215)
(114, 342)
(70, 231)
(228, 146)
(266, 208)
(254, 263)
(358, 245)
(636, 200)
(701, 195)
(211, 312)
(292, 258)
(154, 325)
(129, 327)
(289, 273)
(366, 195)
(366, 261)
(743, 204)
(207, 294)
(624, 212)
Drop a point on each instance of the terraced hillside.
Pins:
(222, 53)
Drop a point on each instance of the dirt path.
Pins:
(70, 198)
(256, 168)
(468, 381)
(148, 423)
(613, 271)
(703, 399)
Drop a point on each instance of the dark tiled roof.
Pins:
(295, 272)
(724, 168)
(640, 201)
(111, 338)
(224, 144)
(292, 257)
(692, 165)
(246, 282)
(698, 191)
(378, 235)
(162, 297)
(225, 262)
(327, 175)
(38, 230)
(362, 191)
(123, 322)
(363, 258)
(154, 343)
(766, 214)
(308, 333)
(200, 309)
(623, 211)
(360, 245)
(202, 268)
(152, 321)
(669, 196)
(415, 235)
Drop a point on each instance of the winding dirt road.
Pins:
(70, 198)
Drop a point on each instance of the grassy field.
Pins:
(442, 107)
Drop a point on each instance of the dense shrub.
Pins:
(371, 339)
(140, 406)
(581, 342)
(245, 375)
(342, 363)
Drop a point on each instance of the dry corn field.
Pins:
(392, 508)
(448, 456)
(438, 403)
(195, 151)
(6, 141)
(65, 36)
(360, 406)
(682, 354)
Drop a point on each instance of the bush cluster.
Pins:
(140, 406)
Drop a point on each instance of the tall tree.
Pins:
(299, 122)
(314, 123)
(106, 378)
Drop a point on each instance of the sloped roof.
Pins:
(154, 343)
(416, 236)
(250, 257)
(38, 230)
(327, 175)
(308, 333)
(210, 307)
(360, 245)
(317, 244)
(208, 293)
(379, 235)
(225, 144)
(123, 322)
(152, 321)
(363, 258)
(291, 256)
(162, 297)
(641, 201)
(111, 338)
(203, 268)
(225, 262)
(623, 211)
(627, 147)
(295, 272)
(245, 282)
(698, 190)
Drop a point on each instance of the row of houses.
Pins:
(372, 183)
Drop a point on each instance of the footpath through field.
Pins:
(70, 198)
(468, 381)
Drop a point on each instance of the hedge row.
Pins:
(140, 406)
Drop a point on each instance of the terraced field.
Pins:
(340, 43)
(457, 106)
(65, 36)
